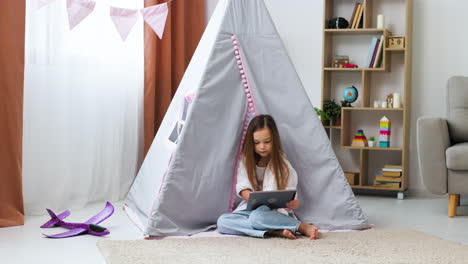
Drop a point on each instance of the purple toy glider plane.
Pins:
(89, 227)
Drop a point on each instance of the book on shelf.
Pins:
(360, 23)
(372, 50)
(391, 173)
(391, 185)
(382, 178)
(356, 6)
(379, 54)
(357, 17)
(394, 170)
(374, 54)
(361, 20)
(393, 167)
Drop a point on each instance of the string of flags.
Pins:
(123, 18)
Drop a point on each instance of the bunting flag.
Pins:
(124, 19)
(156, 17)
(42, 3)
(79, 10)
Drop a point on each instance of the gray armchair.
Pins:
(443, 146)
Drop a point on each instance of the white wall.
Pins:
(440, 38)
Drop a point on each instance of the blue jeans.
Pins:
(256, 223)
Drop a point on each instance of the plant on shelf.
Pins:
(345, 103)
(323, 116)
(333, 110)
(371, 141)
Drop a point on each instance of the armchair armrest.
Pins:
(432, 142)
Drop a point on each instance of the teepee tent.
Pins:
(240, 69)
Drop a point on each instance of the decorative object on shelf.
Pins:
(385, 132)
(396, 100)
(348, 65)
(376, 103)
(333, 110)
(323, 116)
(371, 141)
(350, 95)
(396, 42)
(339, 60)
(359, 139)
(337, 23)
(352, 177)
(380, 21)
(389, 101)
(384, 104)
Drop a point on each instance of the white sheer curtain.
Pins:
(83, 107)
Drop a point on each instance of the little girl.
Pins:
(264, 168)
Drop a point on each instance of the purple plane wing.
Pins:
(70, 233)
(103, 215)
(78, 227)
(54, 220)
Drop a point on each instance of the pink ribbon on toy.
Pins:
(42, 3)
(156, 17)
(124, 19)
(79, 10)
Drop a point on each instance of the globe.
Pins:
(350, 94)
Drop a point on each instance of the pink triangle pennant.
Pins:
(42, 3)
(156, 17)
(79, 10)
(124, 19)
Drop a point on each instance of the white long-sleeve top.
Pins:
(269, 181)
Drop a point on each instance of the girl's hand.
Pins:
(293, 204)
(245, 194)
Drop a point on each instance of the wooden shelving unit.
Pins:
(366, 158)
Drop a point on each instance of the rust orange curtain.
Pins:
(12, 26)
(167, 59)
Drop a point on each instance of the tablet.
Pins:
(272, 199)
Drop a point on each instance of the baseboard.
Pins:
(423, 193)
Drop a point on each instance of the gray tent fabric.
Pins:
(186, 183)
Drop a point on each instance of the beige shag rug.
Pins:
(371, 246)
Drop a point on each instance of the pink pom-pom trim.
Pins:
(249, 113)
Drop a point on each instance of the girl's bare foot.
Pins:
(309, 230)
(283, 233)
